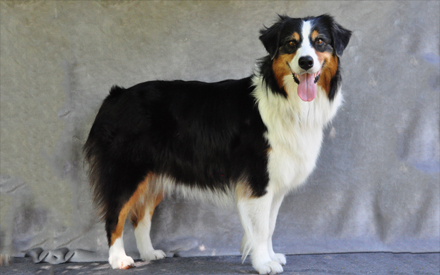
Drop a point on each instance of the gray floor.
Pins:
(353, 263)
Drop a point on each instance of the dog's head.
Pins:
(306, 51)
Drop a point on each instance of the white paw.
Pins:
(153, 255)
(278, 257)
(121, 262)
(271, 267)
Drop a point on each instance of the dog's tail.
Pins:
(92, 155)
(96, 152)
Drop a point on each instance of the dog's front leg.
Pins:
(276, 203)
(255, 218)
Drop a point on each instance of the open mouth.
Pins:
(315, 75)
(306, 84)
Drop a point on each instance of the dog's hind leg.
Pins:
(255, 218)
(141, 218)
(115, 228)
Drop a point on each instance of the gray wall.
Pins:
(376, 186)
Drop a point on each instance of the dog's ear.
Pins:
(270, 37)
(341, 37)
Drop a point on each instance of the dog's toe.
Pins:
(271, 267)
(121, 262)
(280, 258)
(153, 255)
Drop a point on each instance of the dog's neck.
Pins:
(291, 109)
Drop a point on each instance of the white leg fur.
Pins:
(276, 203)
(278, 257)
(243, 244)
(117, 257)
(143, 240)
(255, 218)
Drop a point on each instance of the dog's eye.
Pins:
(319, 42)
(291, 43)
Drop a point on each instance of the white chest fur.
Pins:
(295, 130)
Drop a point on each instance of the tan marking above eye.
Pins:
(314, 34)
(296, 36)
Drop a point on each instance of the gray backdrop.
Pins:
(376, 186)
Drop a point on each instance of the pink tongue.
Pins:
(307, 87)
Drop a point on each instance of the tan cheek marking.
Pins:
(322, 56)
(280, 68)
(140, 191)
(329, 69)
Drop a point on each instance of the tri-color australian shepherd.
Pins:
(251, 140)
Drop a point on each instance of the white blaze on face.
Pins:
(306, 48)
(307, 85)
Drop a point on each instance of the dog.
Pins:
(252, 140)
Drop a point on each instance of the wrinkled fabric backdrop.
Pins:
(376, 185)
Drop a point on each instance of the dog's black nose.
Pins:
(305, 62)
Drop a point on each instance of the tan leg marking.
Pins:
(156, 203)
(140, 191)
(281, 69)
(243, 191)
(147, 201)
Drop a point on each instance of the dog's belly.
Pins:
(291, 163)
